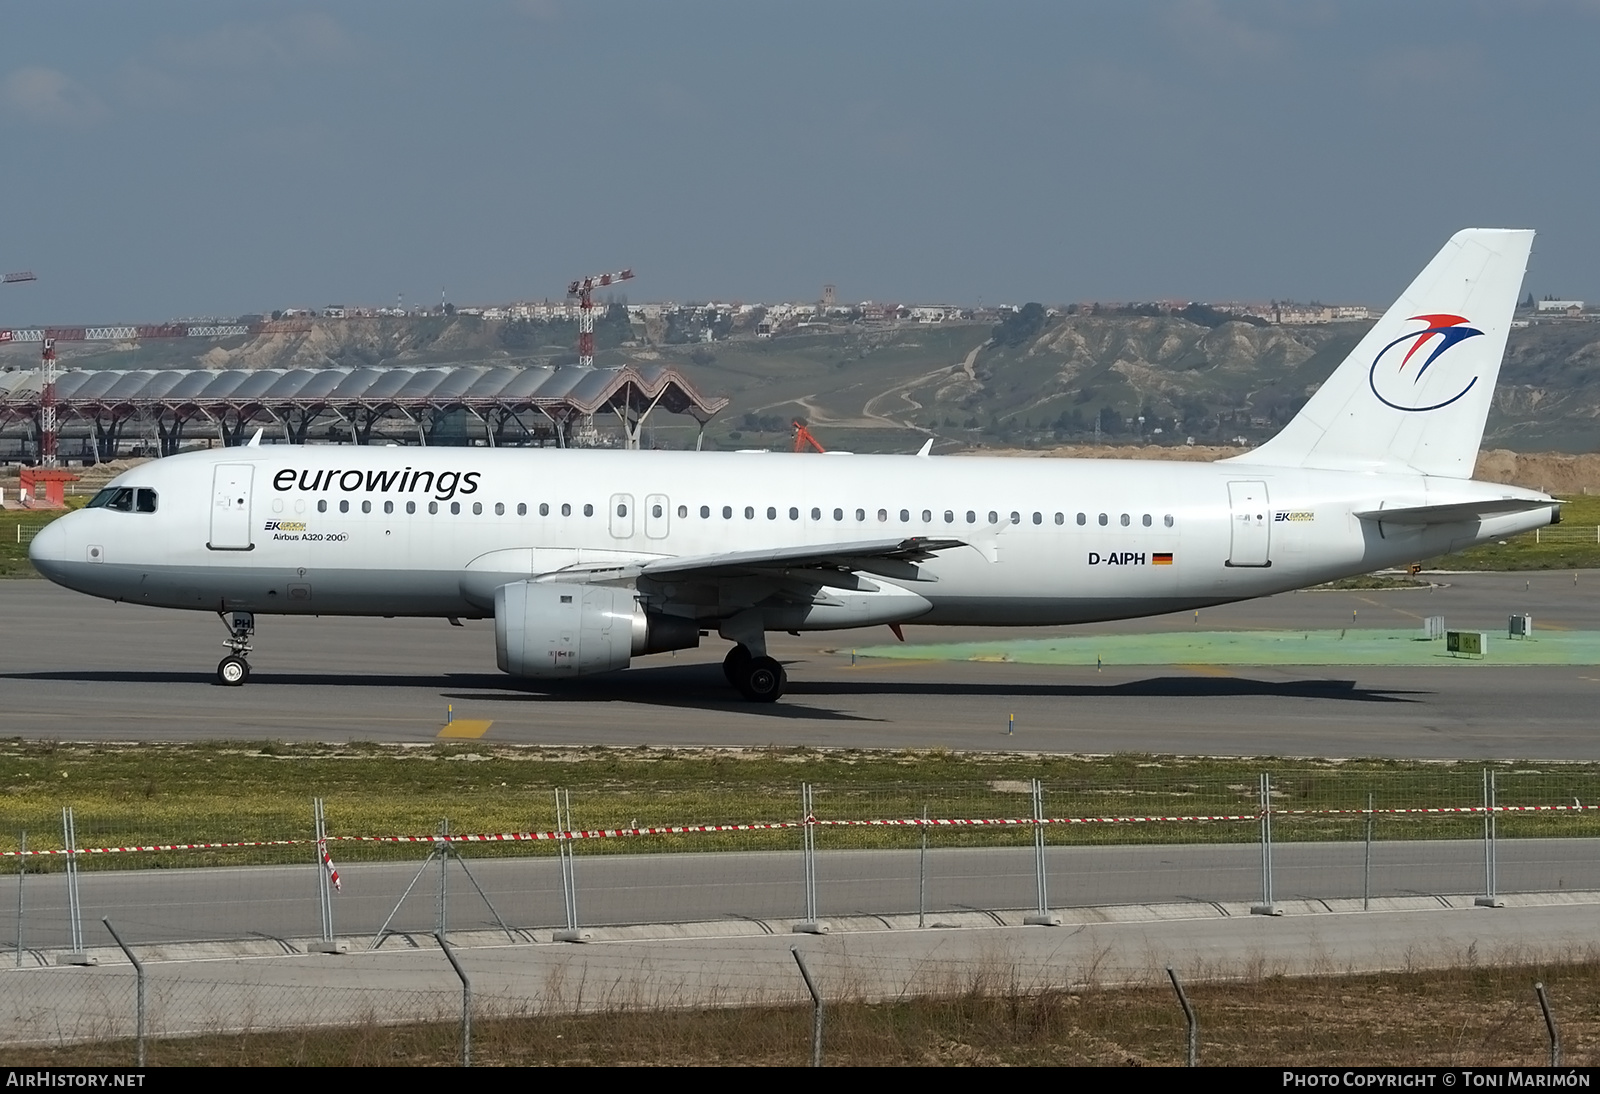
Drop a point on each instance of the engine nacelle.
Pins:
(544, 630)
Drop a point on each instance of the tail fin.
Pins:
(1415, 393)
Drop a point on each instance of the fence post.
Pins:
(1550, 1025)
(1267, 905)
(138, 972)
(808, 853)
(324, 881)
(69, 836)
(569, 876)
(1042, 916)
(22, 868)
(816, 1008)
(1490, 897)
(466, 1002)
(1366, 868)
(922, 884)
(1188, 1016)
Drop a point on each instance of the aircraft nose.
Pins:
(49, 549)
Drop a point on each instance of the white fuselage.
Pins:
(400, 531)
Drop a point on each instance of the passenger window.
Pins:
(727, 512)
(838, 514)
(588, 510)
(455, 508)
(622, 510)
(322, 505)
(1125, 520)
(949, 516)
(477, 508)
(1103, 520)
(1038, 518)
(927, 516)
(1061, 518)
(816, 514)
(566, 509)
(1016, 517)
(433, 507)
(344, 506)
(499, 508)
(972, 518)
(905, 516)
(994, 518)
(1167, 520)
(1147, 520)
(705, 512)
(683, 511)
(544, 509)
(1083, 518)
(861, 514)
(749, 512)
(522, 508)
(388, 507)
(883, 514)
(794, 514)
(146, 501)
(655, 511)
(772, 513)
(366, 507)
(411, 507)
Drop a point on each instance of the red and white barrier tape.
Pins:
(775, 826)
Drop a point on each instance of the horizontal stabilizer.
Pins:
(1458, 512)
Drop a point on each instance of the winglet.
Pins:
(255, 442)
(927, 447)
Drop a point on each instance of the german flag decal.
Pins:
(1161, 558)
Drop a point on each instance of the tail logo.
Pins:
(1396, 380)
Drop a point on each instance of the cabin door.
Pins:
(230, 507)
(1251, 524)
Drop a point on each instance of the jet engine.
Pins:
(547, 630)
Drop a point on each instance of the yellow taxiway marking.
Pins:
(468, 728)
(1388, 607)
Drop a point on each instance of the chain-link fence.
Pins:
(758, 861)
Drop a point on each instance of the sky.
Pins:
(178, 158)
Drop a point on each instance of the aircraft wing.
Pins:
(1457, 512)
(873, 556)
(894, 558)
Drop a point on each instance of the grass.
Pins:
(1475, 1016)
(158, 793)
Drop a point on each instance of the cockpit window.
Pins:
(145, 501)
(119, 498)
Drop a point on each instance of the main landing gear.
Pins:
(759, 679)
(233, 670)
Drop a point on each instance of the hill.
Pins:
(1063, 379)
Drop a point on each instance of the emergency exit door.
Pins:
(1251, 524)
(230, 507)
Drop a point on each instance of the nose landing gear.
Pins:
(233, 670)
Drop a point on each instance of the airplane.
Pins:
(586, 559)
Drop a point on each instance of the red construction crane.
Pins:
(583, 289)
(803, 437)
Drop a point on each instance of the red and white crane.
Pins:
(583, 289)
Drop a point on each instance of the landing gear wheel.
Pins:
(733, 665)
(763, 680)
(232, 671)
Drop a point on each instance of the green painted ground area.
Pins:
(1353, 647)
